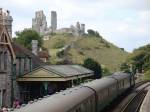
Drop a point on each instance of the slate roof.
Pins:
(21, 51)
(68, 70)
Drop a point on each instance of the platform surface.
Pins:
(145, 107)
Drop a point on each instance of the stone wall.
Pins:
(53, 20)
(6, 77)
(39, 23)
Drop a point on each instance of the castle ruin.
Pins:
(39, 24)
(53, 20)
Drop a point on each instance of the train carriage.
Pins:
(89, 97)
(67, 101)
(104, 92)
(123, 81)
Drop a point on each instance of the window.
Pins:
(25, 64)
(5, 61)
(0, 60)
(0, 98)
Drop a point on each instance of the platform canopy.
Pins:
(56, 73)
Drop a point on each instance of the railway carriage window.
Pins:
(123, 83)
(82, 108)
(120, 85)
(85, 106)
(91, 105)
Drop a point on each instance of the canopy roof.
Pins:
(56, 73)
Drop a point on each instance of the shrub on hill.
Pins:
(93, 65)
(93, 33)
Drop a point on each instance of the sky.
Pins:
(125, 23)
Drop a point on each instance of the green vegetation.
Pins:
(93, 33)
(26, 36)
(139, 60)
(93, 65)
(146, 75)
(105, 72)
(125, 67)
(85, 47)
(61, 38)
(59, 44)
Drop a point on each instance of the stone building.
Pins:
(25, 62)
(7, 59)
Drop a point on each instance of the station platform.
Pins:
(145, 107)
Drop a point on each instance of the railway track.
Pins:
(119, 104)
(134, 104)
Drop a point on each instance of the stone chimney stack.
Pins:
(53, 20)
(9, 20)
(6, 19)
(34, 47)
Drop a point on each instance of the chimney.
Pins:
(34, 46)
(1, 16)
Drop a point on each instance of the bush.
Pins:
(93, 33)
(93, 65)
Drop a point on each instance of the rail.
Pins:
(136, 101)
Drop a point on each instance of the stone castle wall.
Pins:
(39, 24)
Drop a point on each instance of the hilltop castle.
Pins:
(39, 24)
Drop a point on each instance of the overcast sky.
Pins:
(126, 23)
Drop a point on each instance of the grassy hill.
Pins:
(107, 54)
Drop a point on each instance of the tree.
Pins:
(140, 59)
(93, 33)
(93, 65)
(26, 36)
(125, 67)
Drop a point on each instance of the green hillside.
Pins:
(81, 48)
